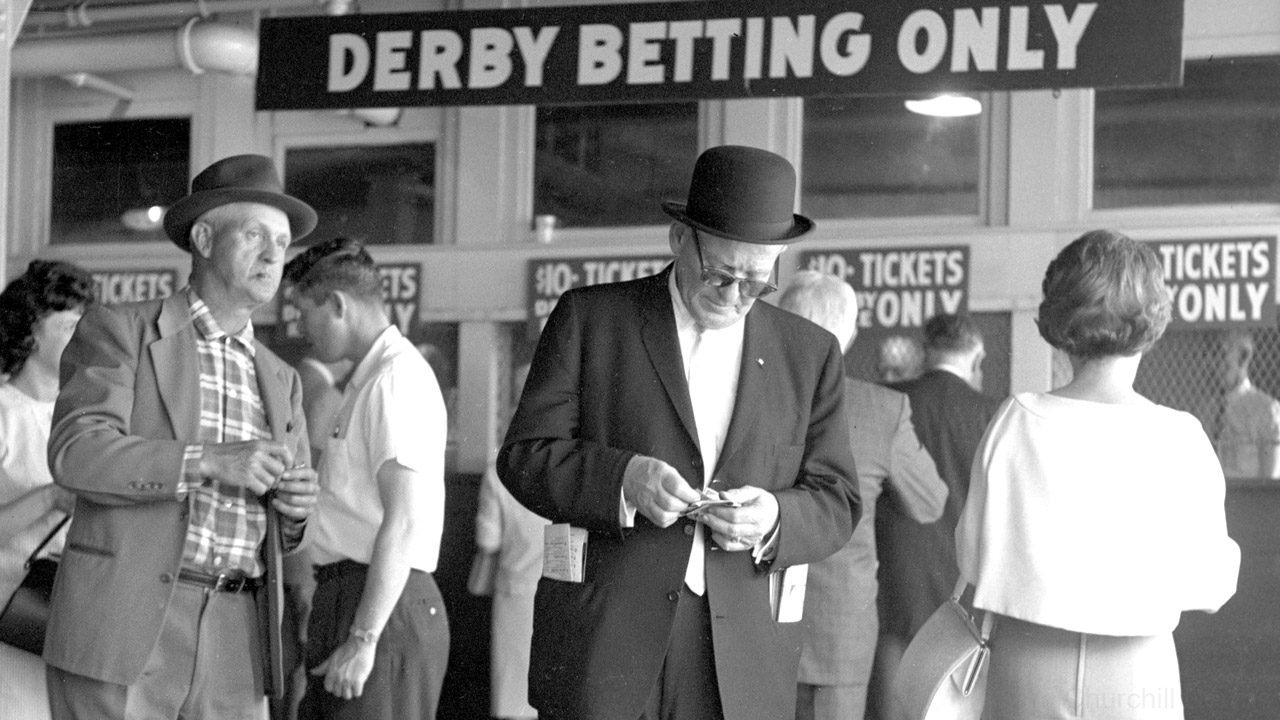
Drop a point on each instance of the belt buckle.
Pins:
(227, 583)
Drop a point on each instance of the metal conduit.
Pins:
(198, 46)
(87, 15)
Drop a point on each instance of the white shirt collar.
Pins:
(957, 370)
(380, 347)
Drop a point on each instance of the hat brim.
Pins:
(184, 213)
(800, 225)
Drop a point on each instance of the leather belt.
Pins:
(222, 582)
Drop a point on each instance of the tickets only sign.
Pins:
(114, 287)
(899, 288)
(1223, 282)
(549, 279)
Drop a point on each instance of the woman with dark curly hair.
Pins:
(38, 312)
(1094, 516)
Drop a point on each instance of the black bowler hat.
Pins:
(240, 178)
(744, 194)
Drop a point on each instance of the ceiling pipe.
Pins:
(198, 46)
(86, 15)
(102, 85)
(220, 47)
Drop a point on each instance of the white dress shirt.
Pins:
(712, 360)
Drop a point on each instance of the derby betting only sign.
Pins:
(694, 50)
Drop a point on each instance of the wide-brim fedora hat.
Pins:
(239, 178)
(744, 194)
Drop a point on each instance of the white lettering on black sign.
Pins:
(1221, 282)
(400, 286)
(549, 279)
(691, 50)
(111, 288)
(899, 287)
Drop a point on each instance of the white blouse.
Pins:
(1098, 518)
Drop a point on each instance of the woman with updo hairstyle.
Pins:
(1094, 516)
(38, 313)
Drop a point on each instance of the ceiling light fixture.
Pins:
(143, 219)
(946, 106)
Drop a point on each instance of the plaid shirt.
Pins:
(227, 523)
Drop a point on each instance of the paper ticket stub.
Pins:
(786, 593)
(709, 499)
(564, 552)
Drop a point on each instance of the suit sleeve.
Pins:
(914, 482)
(300, 445)
(545, 461)
(816, 516)
(91, 450)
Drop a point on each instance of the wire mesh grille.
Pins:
(1182, 371)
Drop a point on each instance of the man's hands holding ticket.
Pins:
(710, 498)
(737, 518)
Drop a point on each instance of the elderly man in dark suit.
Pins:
(645, 397)
(841, 624)
(918, 562)
(173, 428)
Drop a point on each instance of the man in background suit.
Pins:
(173, 428)
(841, 624)
(641, 396)
(918, 562)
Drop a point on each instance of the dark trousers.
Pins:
(411, 658)
(687, 688)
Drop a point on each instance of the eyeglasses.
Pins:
(717, 278)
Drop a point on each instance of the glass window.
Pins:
(613, 165)
(378, 194)
(113, 179)
(870, 157)
(1216, 139)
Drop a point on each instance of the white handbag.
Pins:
(943, 673)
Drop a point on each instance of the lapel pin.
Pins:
(760, 362)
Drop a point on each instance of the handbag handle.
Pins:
(988, 617)
(45, 541)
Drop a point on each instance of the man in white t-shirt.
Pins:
(378, 639)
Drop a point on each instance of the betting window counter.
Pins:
(1231, 660)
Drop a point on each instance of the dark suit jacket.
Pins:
(918, 567)
(840, 602)
(130, 403)
(606, 384)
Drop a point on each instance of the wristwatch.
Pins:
(364, 636)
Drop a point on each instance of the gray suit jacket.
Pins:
(841, 623)
(129, 405)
